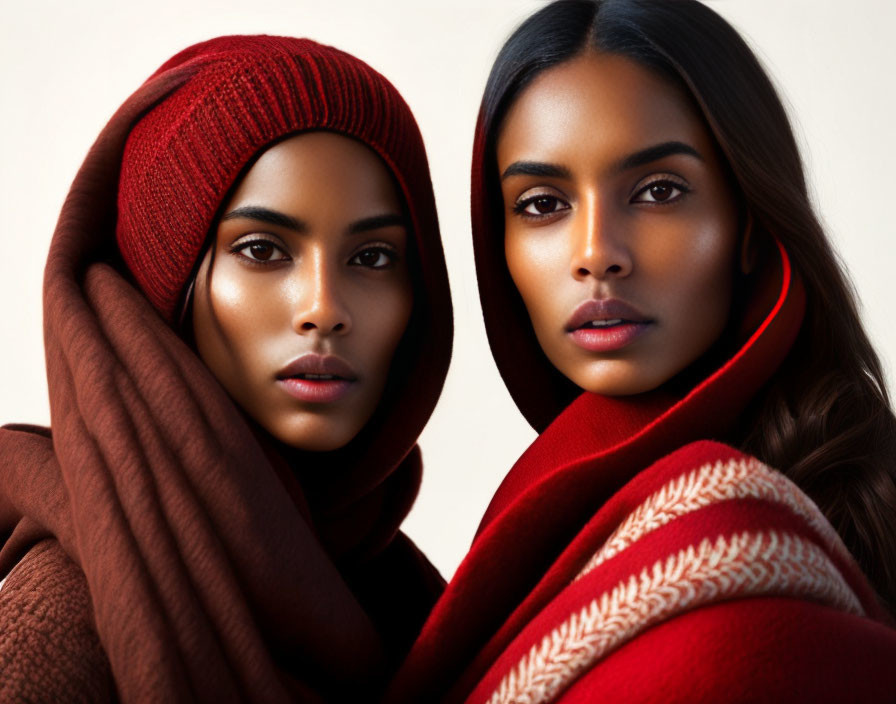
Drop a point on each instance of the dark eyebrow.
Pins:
(655, 153)
(272, 217)
(639, 158)
(535, 168)
(375, 222)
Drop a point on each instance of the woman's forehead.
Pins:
(597, 103)
(322, 171)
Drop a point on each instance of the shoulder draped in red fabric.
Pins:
(195, 563)
(631, 556)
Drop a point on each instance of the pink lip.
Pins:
(633, 324)
(317, 390)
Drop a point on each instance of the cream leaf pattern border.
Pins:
(731, 566)
(711, 483)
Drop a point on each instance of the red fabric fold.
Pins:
(575, 486)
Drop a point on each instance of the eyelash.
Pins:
(239, 247)
(383, 248)
(519, 208)
(380, 248)
(665, 180)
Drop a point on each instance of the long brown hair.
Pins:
(824, 419)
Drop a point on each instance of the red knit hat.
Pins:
(242, 94)
(216, 106)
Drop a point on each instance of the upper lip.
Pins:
(312, 363)
(604, 309)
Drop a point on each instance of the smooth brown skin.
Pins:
(599, 230)
(338, 284)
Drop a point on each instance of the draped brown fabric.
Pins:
(213, 572)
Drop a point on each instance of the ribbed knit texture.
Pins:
(182, 158)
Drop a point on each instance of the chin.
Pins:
(614, 378)
(617, 389)
(316, 434)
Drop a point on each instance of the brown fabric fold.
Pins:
(206, 577)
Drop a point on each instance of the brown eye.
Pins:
(661, 192)
(260, 251)
(544, 205)
(539, 205)
(664, 191)
(374, 258)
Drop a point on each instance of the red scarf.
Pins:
(217, 569)
(519, 609)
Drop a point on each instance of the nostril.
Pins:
(614, 269)
(308, 325)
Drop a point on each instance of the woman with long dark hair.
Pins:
(247, 324)
(707, 512)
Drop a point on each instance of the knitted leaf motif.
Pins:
(746, 564)
(711, 483)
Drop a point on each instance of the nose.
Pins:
(320, 306)
(599, 246)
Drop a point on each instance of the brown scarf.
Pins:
(213, 574)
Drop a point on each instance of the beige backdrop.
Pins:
(66, 66)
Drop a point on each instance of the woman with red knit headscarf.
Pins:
(707, 513)
(247, 324)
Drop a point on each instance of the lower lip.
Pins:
(316, 391)
(608, 339)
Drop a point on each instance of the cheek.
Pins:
(238, 314)
(714, 256)
(380, 318)
(249, 304)
(697, 278)
(536, 264)
(239, 307)
(227, 292)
